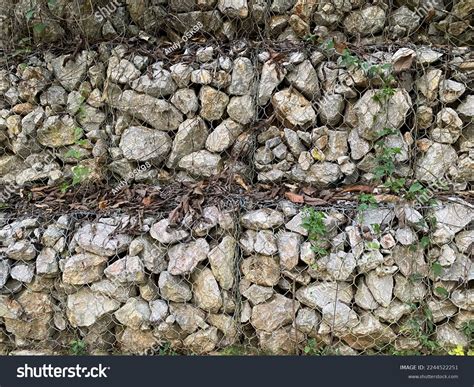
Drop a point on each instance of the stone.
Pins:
(186, 101)
(435, 163)
(340, 318)
(163, 233)
(191, 137)
(261, 270)
(158, 311)
(85, 307)
(307, 321)
(57, 132)
(364, 298)
(305, 79)
(202, 341)
(450, 91)
(282, 341)
(157, 84)
(293, 109)
(152, 254)
(449, 337)
(366, 21)
(463, 299)
(271, 77)
(335, 266)
(81, 269)
(23, 273)
(448, 127)
(121, 71)
(319, 294)
(323, 174)
(183, 258)
(188, 317)
(381, 287)
(466, 109)
(21, 251)
(201, 163)
(406, 236)
(380, 216)
(265, 219)
(4, 272)
(441, 310)
(242, 77)
(404, 20)
(265, 243)
(369, 333)
(450, 219)
(71, 72)
(143, 144)
(257, 294)
(274, 314)
(206, 290)
(181, 74)
(293, 141)
(409, 291)
(102, 239)
(136, 341)
(223, 136)
(241, 109)
(158, 113)
(369, 261)
(114, 289)
(393, 312)
(227, 325)
(410, 260)
(174, 288)
(331, 110)
(35, 321)
(425, 55)
(373, 116)
(126, 270)
(134, 314)
(288, 249)
(222, 261)
(464, 241)
(428, 85)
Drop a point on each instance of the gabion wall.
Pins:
(236, 177)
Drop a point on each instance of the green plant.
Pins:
(468, 328)
(166, 350)
(77, 347)
(366, 201)
(395, 185)
(79, 174)
(385, 160)
(312, 349)
(313, 222)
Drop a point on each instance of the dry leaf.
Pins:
(295, 198)
(403, 59)
(147, 200)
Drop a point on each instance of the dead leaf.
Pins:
(102, 205)
(295, 198)
(402, 60)
(147, 200)
(315, 201)
(358, 188)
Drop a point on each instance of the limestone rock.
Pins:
(183, 258)
(206, 291)
(174, 288)
(274, 314)
(85, 307)
(83, 268)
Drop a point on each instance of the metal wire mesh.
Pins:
(236, 177)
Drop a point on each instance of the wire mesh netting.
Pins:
(236, 177)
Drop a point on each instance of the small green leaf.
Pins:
(437, 269)
(39, 28)
(30, 14)
(442, 291)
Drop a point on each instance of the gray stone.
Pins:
(340, 318)
(257, 294)
(191, 137)
(381, 287)
(126, 270)
(23, 273)
(163, 233)
(305, 79)
(274, 314)
(83, 268)
(265, 218)
(223, 136)
(450, 91)
(332, 109)
(261, 270)
(222, 261)
(270, 78)
(293, 109)
(174, 288)
(242, 77)
(143, 144)
(134, 314)
(288, 249)
(242, 109)
(366, 21)
(207, 295)
(435, 163)
(319, 294)
(121, 71)
(85, 307)
(201, 164)
(183, 258)
(21, 251)
(158, 311)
